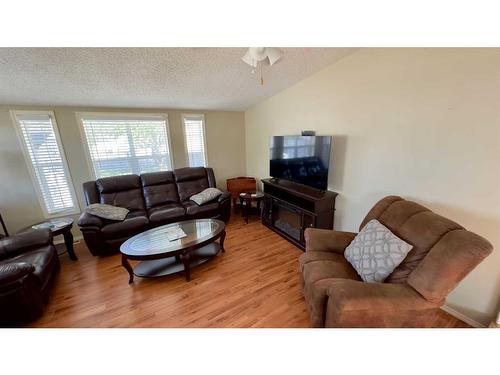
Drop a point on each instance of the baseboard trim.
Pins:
(75, 239)
(462, 317)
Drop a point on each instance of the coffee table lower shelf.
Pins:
(176, 264)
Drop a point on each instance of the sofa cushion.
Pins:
(43, 259)
(375, 252)
(159, 188)
(166, 214)
(106, 211)
(207, 195)
(133, 224)
(207, 210)
(190, 181)
(414, 224)
(121, 191)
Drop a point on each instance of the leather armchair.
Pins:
(28, 265)
(443, 254)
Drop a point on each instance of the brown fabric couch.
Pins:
(443, 254)
(28, 267)
(153, 199)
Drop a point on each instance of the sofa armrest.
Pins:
(22, 242)
(10, 272)
(224, 197)
(327, 240)
(88, 220)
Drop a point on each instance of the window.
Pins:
(126, 144)
(44, 156)
(194, 135)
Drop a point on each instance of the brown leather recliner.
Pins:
(443, 254)
(153, 199)
(28, 266)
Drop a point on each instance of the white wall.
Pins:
(420, 123)
(18, 201)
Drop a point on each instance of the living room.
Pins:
(250, 187)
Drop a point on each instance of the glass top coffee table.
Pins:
(160, 257)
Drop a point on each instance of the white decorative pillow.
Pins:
(206, 196)
(375, 252)
(107, 211)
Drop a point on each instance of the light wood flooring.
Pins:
(254, 284)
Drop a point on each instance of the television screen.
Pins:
(302, 159)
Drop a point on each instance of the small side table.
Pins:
(246, 200)
(64, 230)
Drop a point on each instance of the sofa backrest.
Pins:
(150, 189)
(443, 251)
(122, 191)
(191, 181)
(159, 188)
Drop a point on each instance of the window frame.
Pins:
(205, 148)
(81, 115)
(31, 169)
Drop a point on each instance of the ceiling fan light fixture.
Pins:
(256, 55)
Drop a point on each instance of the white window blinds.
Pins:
(194, 134)
(124, 145)
(45, 158)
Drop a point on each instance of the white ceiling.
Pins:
(190, 78)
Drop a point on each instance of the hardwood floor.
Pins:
(254, 284)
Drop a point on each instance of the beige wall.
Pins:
(421, 123)
(18, 201)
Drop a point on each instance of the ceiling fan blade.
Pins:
(274, 55)
(247, 58)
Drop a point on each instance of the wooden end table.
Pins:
(64, 230)
(246, 200)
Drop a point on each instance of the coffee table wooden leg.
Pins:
(221, 241)
(128, 267)
(187, 266)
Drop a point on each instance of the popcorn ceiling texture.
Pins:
(196, 78)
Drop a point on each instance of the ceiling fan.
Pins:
(258, 56)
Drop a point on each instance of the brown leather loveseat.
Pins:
(28, 266)
(153, 199)
(443, 254)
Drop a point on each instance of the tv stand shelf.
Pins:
(290, 208)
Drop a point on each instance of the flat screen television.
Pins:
(301, 159)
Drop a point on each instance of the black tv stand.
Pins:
(290, 208)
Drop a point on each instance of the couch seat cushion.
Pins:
(207, 210)
(134, 223)
(43, 259)
(319, 265)
(167, 213)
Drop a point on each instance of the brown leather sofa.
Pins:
(153, 199)
(443, 254)
(28, 266)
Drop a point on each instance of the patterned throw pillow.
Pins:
(375, 252)
(205, 196)
(107, 211)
